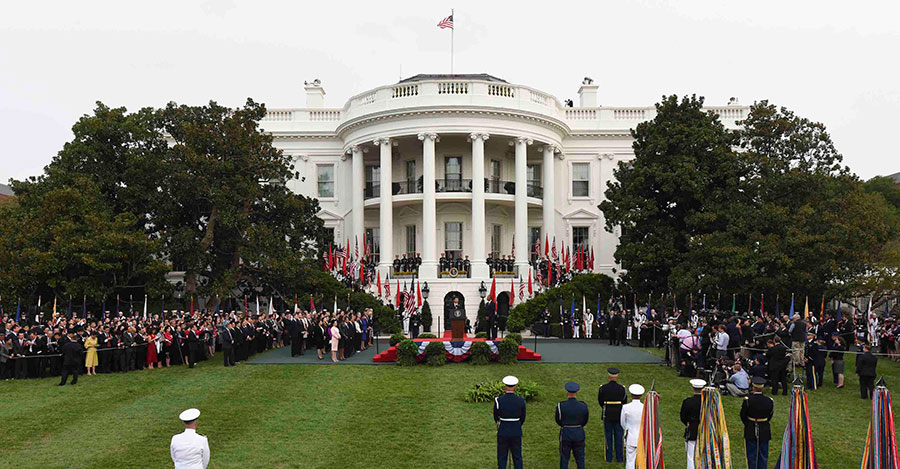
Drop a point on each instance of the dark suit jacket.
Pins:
(866, 364)
(71, 353)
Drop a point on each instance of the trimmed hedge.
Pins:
(427, 336)
(515, 336)
(426, 316)
(406, 353)
(435, 353)
(396, 338)
(590, 286)
(481, 335)
(480, 353)
(487, 391)
(508, 350)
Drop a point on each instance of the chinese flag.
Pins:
(379, 283)
(512, 291)
(530, 290)
(419, 294)
(493, 293)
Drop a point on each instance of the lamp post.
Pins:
(425, 291)
(482, 290)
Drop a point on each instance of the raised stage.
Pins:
(457, 350)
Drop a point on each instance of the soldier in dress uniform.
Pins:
(189, 449)
(576, 327)
(571, 416)
(612, 397)
(631, 422)
(756, 412)
(545, 318)
(588, 324)
(467, 267)
(509, 414)
(690, 417)
(397, 268)
(443, 264)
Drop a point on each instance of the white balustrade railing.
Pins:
(581, 114)
(539, 98)
(324, 115)
(736, 113)
(501, 90)
(367, 98)
(629, 114)
(278, 115)
(453, 87)
(404, 91)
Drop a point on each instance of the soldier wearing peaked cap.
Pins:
(509, 414)
(612, 397)
(571, 416)
(756, 412)
(690, 417)
(189, 449)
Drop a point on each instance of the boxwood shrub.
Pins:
(480, 353)
(427, 336)
(396, 338)
(435, 353)
(515, 336)
(406, 353)
(591, 286)
(508, 350)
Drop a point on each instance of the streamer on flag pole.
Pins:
(649, 449)
(797, 450)
(713, 447)
(880, 451)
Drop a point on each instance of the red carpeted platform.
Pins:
(456, 350)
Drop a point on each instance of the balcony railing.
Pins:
(408, 187)
(372, 190)
(491, 186)
(453, 185)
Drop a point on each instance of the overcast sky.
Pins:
(833, 62)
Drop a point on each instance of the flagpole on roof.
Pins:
(452, 29)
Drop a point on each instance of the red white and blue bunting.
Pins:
(458, 351)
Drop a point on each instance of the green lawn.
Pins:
(314, 416)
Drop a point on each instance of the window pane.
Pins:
(325, 177)
(580, 188)
(580, 236)
(495, 239)
(411, 239)
(580, 171)
(495, 169)
(453, 168)
(453, 233)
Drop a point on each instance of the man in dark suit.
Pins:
(866, 365)
(491, 312)
(19, 350)
(72, 360)
(571, 416)
(228, 344)
(509, 414)
(127, 341)
(193, 345)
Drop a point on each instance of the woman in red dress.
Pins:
(151, 350)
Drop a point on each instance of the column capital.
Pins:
(429, 135)
(355, 149)
(479, 135)
(382, 141)
(525, 140)
(553, 149)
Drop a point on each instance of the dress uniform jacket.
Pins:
(509, 413)
(571, 416)
(612, 397)
(756, 412)
(190, 450)
(631, 421)
(690, 416)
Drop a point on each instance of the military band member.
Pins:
(756, 412)
(545, 318)
(631, 422)
(189, 449)
(576, 328)
(571, 416)
(690, 417)
(612, 397)
(588, 324)
(509, 415)
(397, 268)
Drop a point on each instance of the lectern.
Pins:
(457, 323)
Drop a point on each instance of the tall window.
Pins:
(325, 178)
(330, 236)
(496, 231)
(453, 172)
(534, 237)
(453, 239)
(580, 237)
(533, 172)
(495, 176)
(373, 180)
(373, 237)
(411, 240)
(580, 179)
(411, 176)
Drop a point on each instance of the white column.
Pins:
(522, 203)
(428, 269)
(479, 266)
(386, 207)
(549, 195)
(358, 171)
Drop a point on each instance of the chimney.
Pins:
(587, 94)
(315, 94)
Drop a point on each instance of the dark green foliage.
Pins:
(407, 350)
(480, 353)
(396, 338)
(515, 336)
(508, 349)
(426, 316)
(488, 390)
(482, 314)
(435, 353)
(427, 336)
(591, 286)
(481, 335)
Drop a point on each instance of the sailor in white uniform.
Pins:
(631, 422)
(189, 449)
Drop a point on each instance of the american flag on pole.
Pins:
(446, 23)
(410, 299)
(521, 290)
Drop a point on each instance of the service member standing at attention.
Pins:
(756, 412)
(509, 414)
(189, 449)
(631, 422)
(690, 417)
(571, 416)
(612, 397)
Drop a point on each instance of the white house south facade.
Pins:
(398, 166)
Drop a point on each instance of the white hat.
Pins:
(636, 390)
(510, 381)
(698, 383)
(189, 415)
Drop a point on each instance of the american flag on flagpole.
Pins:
(446, 23)
(521, 290)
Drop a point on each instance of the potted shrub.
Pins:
(480, 353)
(508, 350)
(407, 350)
(435, 353)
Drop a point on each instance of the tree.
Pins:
(887, 188)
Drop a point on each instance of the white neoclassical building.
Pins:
(395, 166)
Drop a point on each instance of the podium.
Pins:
(458, 329)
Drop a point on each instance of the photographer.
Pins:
(738, 383)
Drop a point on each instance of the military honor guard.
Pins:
(571, 416)
(189, 449)
(509, 415)
(588, 324)
(690, 417)
(631, 422)
(756, 412)
(612, 397)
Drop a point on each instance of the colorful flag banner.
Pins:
(881, 442)
(649, 449)
(713, 447)
(797, 450)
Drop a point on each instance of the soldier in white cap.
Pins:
(690, 417)
(631, 421)
(509, 414)
(189, 449)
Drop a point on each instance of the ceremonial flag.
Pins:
(192, 305)
(806, 308)
(145, 306)
(271, 308)
(649, 448)
(583, 306)
(777, 304)
(398, 303)
(572, 315)
(387, 287)
(713, 450)
(418, 294)
(537, 249)
(797, 450)
(750, 303)
(704, 301)
(257, 302)
(493, 293)
(18, 310)
(378, 282)
(592, 258)
(791, 312)
(84, 307)
(553, 252)
(312, 304)
(116, 314)
(522, 288)
(103, 309)
(335, 304)
(598, 305)
(217, 304)
(822, 311)
(880, 451)
(733, 302)
(446, 23)
(54, 306)
(162, 307)
(530, 288)
(762, 304)
(512, 292)
(546, 245)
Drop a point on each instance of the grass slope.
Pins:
(354, 416)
